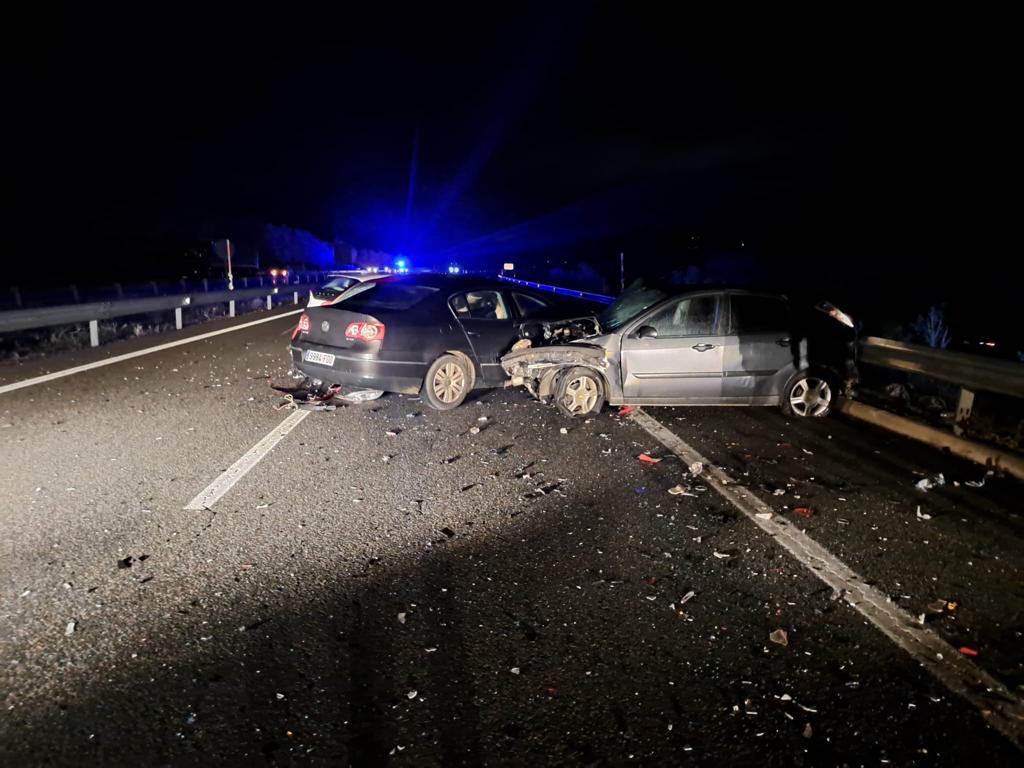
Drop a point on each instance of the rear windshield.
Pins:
(384, 295)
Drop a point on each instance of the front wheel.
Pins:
(447, 383)
(809, 394)
(579, 392)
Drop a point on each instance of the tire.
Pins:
(809, 395)
(579, 392)
(447, 383)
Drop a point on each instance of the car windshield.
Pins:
(340, 282)
(637, 298)
(382, 294)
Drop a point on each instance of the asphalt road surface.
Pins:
(388, 585)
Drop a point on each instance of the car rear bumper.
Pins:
(360, 371)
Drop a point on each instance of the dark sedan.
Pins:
(439, 335)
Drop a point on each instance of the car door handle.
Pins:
(703, 347)
(472, 333)
(783, 342)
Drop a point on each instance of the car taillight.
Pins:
(302, 327)
(365, 331)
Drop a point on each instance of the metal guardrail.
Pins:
(1004, 377)
(598, 297)
(92, 313)
(971, 372)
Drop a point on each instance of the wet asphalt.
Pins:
(391, 586)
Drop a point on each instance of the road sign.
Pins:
(509, 266)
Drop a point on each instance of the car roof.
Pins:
(450, 282)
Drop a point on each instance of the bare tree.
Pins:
(932, 329)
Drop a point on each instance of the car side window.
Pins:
(758, 314)
(479, 305)
(529, 306)
(696, 316)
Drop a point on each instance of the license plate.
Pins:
(320, 358)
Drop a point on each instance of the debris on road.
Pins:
(980, 483)
(968, 651)
(360, 395)
(764, 515)
(806, 512)
(696, 468)
(927, 483)
(69, 630)
(474, 430)
(412, 694)
(626, 410)
(722, 555)
(779, 637)
(646, 458)
(564, 431)
(514, 670)
(681, 490)
(922, 515)
(687, 598)
(401, 617)
(125, 563)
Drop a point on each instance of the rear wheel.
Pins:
(447, 383)
(579, 391)
(809, 394)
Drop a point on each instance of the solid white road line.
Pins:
(1003, 709)
(138, 353)
(226, 480)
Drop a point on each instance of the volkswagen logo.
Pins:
(325, 326)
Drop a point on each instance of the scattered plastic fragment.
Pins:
(808, 731)
(626, 410)
(648, 459)
(447, 531)
(980, 483)
(779, 637)
(687, 598)
(412, 694)
(922, 515)
(681, 490)
(69, 630)
(361, 395)
(803, 511)
(474, 430)
(481, 419)
(968, 651)
(927, 483)
(764, 515)
(401, 617)
(722, 555)
(564, 431)
(696, 468)
(779, 492)
(125, 563)
(514, 670)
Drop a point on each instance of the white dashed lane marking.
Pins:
(998, 704)
(227, 479)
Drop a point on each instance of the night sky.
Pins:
(866, 153)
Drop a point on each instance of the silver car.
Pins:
(654, 346)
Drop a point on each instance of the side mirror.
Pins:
(647, 332)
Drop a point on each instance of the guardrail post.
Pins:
(94, 333)
(231, 308)
(120, 290)
(964, 405)
(156, 290)
(184, 285)
(177, 318)
(270, 301)
(295, 296)
(206, 285)
(17, 295)
(74, 294)
(245, 282)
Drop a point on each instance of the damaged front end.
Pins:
(537, 368)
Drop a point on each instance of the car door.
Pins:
(674, 353)
(759, 350)
(490, 328)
